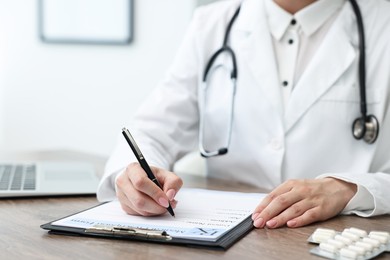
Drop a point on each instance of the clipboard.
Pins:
(161, 237)
(152, 235)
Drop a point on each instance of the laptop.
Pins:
(47, 179)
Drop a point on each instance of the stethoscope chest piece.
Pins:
(366, 129)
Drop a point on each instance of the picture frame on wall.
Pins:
(86, 21)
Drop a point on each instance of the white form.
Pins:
(200, 214)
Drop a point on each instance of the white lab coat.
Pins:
(310, 138)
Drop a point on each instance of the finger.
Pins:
(128, 207)
(123, 185)
(144, 185)
(310, 216)
(134, 199)
(275, 207)
(136, 203)
(125, 203)
(283, 188)
(290, 213)
(170, 182)
(174, 203)
(129, 210)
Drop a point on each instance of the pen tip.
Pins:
(170, 210)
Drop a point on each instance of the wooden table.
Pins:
(22, 238)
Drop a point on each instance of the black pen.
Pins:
(141, 159)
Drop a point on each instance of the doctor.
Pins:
(296, 99)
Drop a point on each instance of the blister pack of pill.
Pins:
(351, 243)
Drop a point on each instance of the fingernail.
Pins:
(271, 223)
(171, 194)
(259, 223)
(291, 223)
(163, 202)
(254, 215)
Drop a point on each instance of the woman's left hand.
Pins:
(297, 203)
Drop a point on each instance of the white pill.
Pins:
(357, 249)
(381, 233)
(348, 253)
(328, 247)
(359, 232)
(382, 239)
(336, 243)
(350, 235)
(321, 237)
(345, 240)
(325, 230)
(364, 245)
(322, 234)
(373, 242)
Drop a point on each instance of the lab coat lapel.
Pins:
(330, 62)
(257, 51)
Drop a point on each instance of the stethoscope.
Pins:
(365, 127)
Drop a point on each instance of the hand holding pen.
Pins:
(143, 190)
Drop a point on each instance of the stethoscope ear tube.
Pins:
(233, 76)
(228, 50)
(365, 127)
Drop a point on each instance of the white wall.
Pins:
(78, 97)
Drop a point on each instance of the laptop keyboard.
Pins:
(17, 177)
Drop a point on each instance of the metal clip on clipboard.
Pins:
(131, 232)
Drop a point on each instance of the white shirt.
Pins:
(296, 37)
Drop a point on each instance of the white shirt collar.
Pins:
(310, 19)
